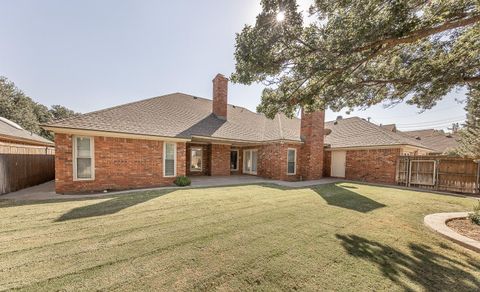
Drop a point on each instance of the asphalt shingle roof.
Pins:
(183, 116)
(10, 130)
(437, 140)
(357, 132)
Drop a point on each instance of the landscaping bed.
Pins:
(465, 227)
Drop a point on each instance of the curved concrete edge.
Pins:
(437, 222)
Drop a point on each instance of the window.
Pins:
(169, 159)
(234, 160)
(196, 159)
(83, 164)
(250, 158)
(291, 161)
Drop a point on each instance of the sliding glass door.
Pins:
(250, 158)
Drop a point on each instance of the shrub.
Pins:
(182, 181)
(475, 216)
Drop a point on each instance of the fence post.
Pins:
(478, 175)
(407, 180)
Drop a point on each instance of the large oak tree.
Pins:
(357, 53)
(16, 106)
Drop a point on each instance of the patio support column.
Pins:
(220, 159)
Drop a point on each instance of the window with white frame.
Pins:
(83, 158)
(196, 159)
(291, 161)
(169, 159)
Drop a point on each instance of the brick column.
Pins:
(220, 159)
(312, 134)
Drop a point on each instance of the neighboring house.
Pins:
(26, 159)
(149, 142)
(16, 140)
(437, 140)
(359, 150)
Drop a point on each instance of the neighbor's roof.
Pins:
(438, 140)
(183, 116)
(14, 132)
(356, 132)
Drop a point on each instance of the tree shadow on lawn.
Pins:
(431, 270)
(341, 197)
(112, 205)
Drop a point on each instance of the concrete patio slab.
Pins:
(437, 222)
(46, 191)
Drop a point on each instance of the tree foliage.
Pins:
(358, 53)
(470, 134)
(21, 109)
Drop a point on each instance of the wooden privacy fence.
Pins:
(18, 171)
(442, 173)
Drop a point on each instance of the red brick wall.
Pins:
(220, 159)
(205, 159)
(220, 93)
(119, 164)
(272, 161)
(312, 130)
(377, 165)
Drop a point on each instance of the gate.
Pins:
(442, 173)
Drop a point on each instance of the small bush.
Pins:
(182, 181)
(475, 216)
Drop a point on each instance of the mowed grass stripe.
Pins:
(190, 201)
(123, 226)
(140, 248)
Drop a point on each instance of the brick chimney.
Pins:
(220, 93)
(312, 130)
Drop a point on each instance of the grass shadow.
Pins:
(424, 267)
(111, 206)
(339, 196)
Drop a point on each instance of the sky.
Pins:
(88, 55)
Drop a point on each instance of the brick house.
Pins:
(360, 150)
(149, 142)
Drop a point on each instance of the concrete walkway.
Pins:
(46, 191)
(438, 223)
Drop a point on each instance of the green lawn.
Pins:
(259, 237)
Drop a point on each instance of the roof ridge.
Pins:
(349, 118)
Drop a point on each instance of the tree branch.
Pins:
(472, 79)
(419, 34)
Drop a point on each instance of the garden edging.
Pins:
(437, 222)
